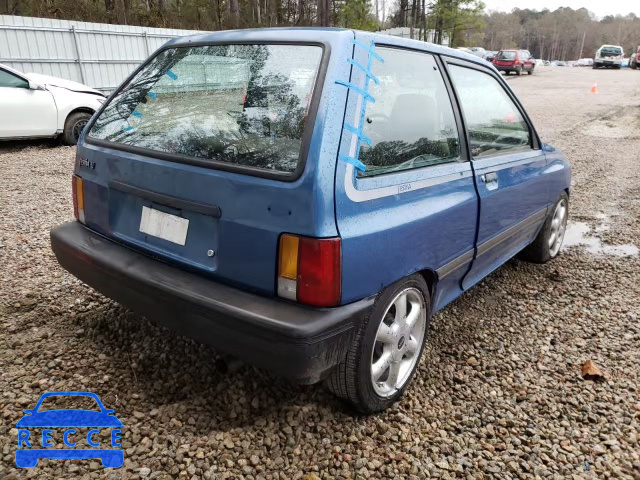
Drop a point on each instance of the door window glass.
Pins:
(10, 80)
(494, 122)
(411, 124)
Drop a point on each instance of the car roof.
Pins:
(314, 35)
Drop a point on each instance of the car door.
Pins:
(508, 166)
(414, 206)
(25, 112)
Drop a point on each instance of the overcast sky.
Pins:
(599, 7)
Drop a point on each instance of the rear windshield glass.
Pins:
(611, 51)
(239, 104)
(507, 56)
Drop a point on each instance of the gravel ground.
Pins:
(499, 393)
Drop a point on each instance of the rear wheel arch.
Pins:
(431, 278)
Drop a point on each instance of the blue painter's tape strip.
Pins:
(358, 133)
(366, 72)
(136, 113)
(171, 75)
(364, 92)
(376, 56)
(369, 48)
(360, 44)
(353, 161)
(127, 128)
(152, 95)
(367, 96)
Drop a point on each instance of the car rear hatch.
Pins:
(206, 155)
(611, 53)
(505, 59)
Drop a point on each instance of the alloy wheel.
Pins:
(398, 342)
(558, 227)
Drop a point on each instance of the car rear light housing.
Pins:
(309, 270)
(78, 197)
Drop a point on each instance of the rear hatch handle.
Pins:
(162, 199)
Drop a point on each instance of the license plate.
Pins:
(162, 225)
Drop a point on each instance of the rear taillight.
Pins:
(78, 198)
(309, 270)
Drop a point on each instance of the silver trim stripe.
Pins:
(363, 195)
(455, 264)
(480, 169)
(464, 259)
(511, 231)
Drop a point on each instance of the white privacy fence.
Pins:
(97, 54)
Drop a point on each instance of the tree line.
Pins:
(563, 34)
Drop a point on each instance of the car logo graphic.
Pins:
(68, 418)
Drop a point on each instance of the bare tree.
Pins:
(300, 15)
(234, 13)
(324, 13)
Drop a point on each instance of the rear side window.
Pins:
(411, 124)
(493, 121)
(244, 105)
(507, 56)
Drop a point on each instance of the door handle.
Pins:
(489, 177)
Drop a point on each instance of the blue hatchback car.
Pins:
(305, 199)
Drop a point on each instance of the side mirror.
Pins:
(35, 86)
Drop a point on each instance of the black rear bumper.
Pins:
(293, 341)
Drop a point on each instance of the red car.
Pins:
(634, 60)
(514, 61)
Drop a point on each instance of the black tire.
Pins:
(352, 378)
(530, 72)
(73, 127)
(539, 251)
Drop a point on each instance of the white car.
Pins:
(34, 105)
(609, 56)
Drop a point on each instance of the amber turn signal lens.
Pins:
(78, 198)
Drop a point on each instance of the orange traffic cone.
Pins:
(594, 89)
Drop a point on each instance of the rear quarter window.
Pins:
(411, 124)
(243, 105)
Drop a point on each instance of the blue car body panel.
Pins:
(255, 210)
(442, 220)
(512, 208)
